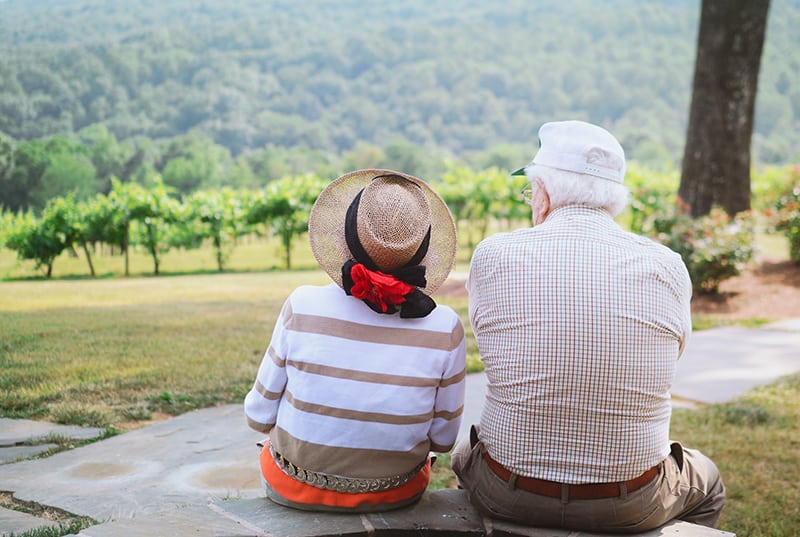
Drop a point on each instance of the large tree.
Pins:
(716, 159)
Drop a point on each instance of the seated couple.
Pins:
(579, 325)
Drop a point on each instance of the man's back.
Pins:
(579, 325)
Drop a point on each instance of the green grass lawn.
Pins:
(111, 351)
(250, 254)
(121, 351)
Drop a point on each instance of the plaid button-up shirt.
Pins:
(579, 325)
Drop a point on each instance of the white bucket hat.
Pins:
(579, 147)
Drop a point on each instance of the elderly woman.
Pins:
(364, 377)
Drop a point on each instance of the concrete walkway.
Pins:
(197, 474)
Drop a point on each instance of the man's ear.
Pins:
(540, 203)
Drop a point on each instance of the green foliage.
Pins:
(7, 148)
(193, 162)
(67, 173)
(43, 239)
(284, 206)
(771, 183)
(714, 247)
(478, 198)
(154, 212)
(24, 177)
(638, 177)
(39, 170)
(646, 206)
(454, 81)
(134, 214)
(216, 215)
(653, 194)
(786, 216)
(109, 157)
(6, 222)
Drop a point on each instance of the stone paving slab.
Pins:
(191, 459)
(13, 432)
(721, 364)
(16, 522)
(789, 325)
(441, 512)
(15, 453)
(190, 521)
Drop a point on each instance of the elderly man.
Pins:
(579, 325)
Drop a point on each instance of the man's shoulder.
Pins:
(668, 260)
(502, 239)
(655, 248)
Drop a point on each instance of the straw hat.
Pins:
(394, 213)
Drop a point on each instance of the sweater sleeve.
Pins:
(449, 406)
(262, 401)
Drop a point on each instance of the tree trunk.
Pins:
(218, 250)
(125, 239)
(88, 259)
(716, 159)
(286, 239)
(152, 245)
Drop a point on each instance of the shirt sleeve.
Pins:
(472, 286)
(449, 406)
(686, 296)
(262, 401)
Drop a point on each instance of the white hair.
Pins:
(570, 188)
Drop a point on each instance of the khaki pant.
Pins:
(688, 487)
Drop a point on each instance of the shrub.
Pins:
(714, 247)
(653, 193)
(786, 216)
(648, 205)
(771, 183)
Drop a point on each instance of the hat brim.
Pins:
(326, 228)
(520, 171)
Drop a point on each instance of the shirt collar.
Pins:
(574, 211)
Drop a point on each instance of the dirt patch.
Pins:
(770, 290)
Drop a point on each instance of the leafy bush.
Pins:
(478, 199)
(652, 195)
(714, 247)
(284, 206)
(6, 223)
(786, 216)
(43, 239)
(648, 205)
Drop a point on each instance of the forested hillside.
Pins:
(451, 76)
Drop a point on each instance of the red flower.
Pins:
(379, 288)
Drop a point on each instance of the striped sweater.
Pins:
(346, 391)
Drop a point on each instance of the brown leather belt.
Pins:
(590, 491)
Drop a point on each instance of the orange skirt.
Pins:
(303, 493)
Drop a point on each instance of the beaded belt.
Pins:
(340, 483)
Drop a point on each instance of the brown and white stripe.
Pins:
(345, 391)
